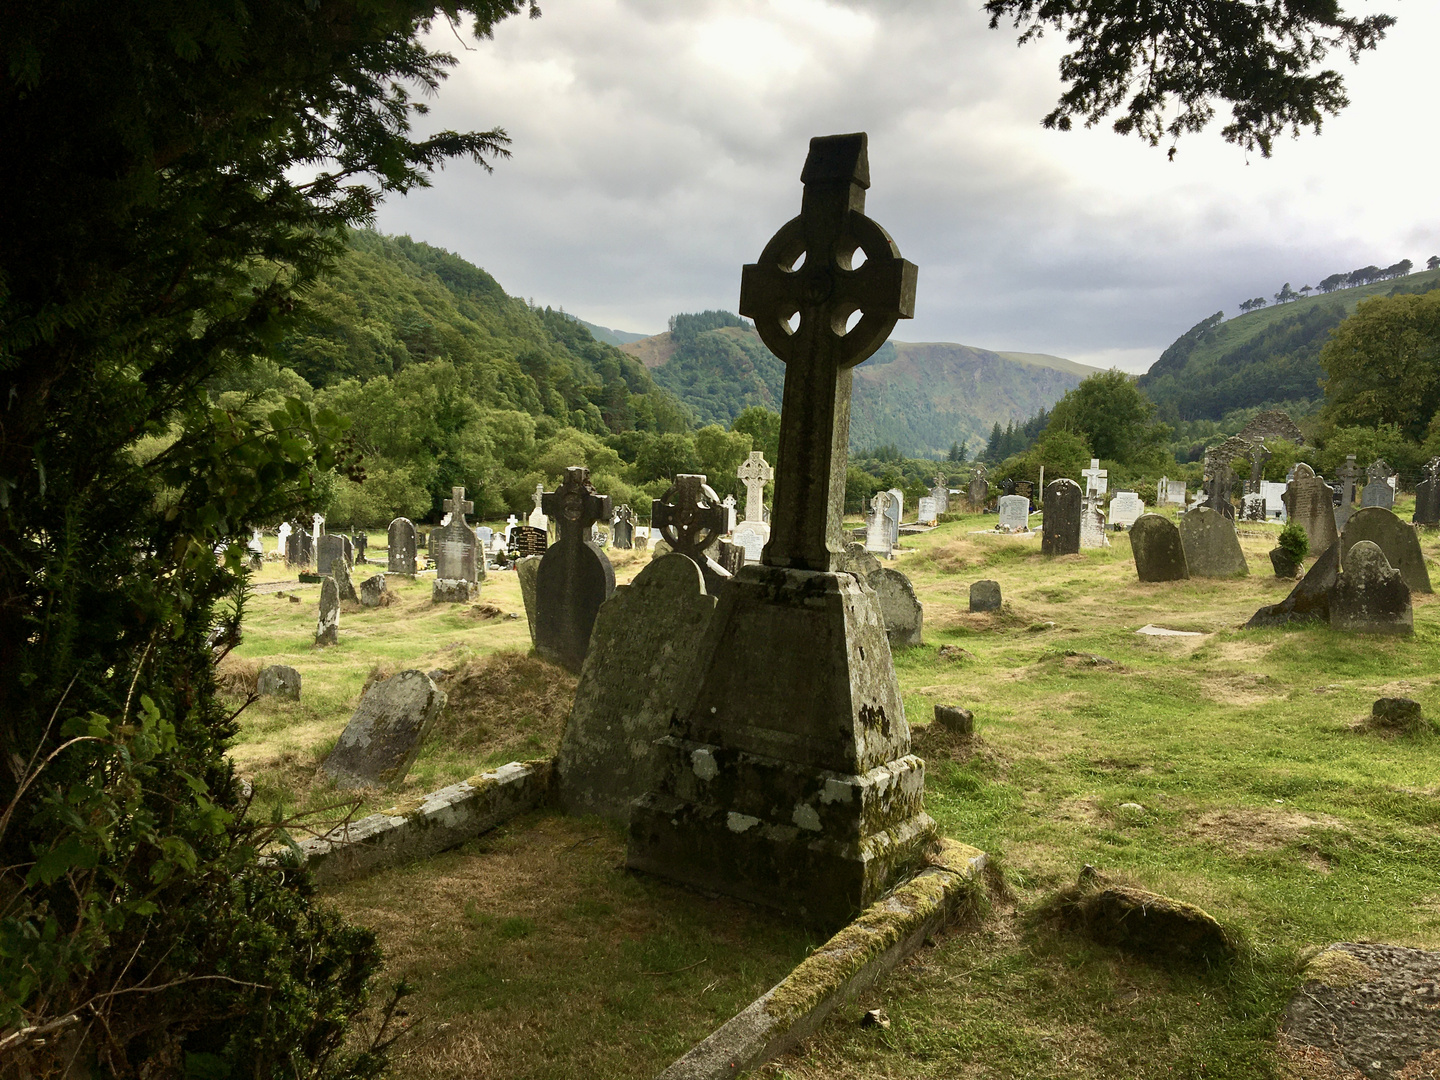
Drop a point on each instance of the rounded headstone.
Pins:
(900, 609)
(1158, 551)
(1395, 538)
(1370, 596)
(1212, 548)
(1060, 516)
(985, 596)
(278, 680)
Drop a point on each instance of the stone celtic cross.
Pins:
(755, 472)
(458, 506)
(689, 516)
(819, 351)
(575, 505)
(540, 494)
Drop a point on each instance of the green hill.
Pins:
(917, 397)
(610, 336)
(1266, 357)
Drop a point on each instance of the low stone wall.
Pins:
(432, 823)
(844, 967)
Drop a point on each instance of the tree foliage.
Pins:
(1382, 365)
(1114, 417)
(1165, 65)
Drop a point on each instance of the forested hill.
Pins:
(920, 398)
(1265, 357)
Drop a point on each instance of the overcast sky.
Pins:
(658, 144)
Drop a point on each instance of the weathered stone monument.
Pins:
(877, 531)
(1394, 537)
(622, 530)
(985, 596)
(638, 674)
(528, 540)
(1092, 524)
(457, 549)
(1097, 480)
(1427, 495)
(1125, 509)
(925, 512)
(384, 734)
(1013, 515)
(1378, 490)
(538, 519)
(373, 591)
(900, 609)
(1159, 554)
(1347, 474)
(401, 542)
(691, 517)
(299, 547)
(978, 493)
(525, 570)
(1311, 505)
(1370, 597)
(1219, 483)
(940, 492)
(327, 625)
(1212, 549)
(893, 514)
(574, 577)
(340, 571)
(278, 680)
(753, 533)
(330, 548)
(788, 780)
(1060, 518)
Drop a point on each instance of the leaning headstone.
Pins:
(691, 517)
(1159, 553)
(1309, 601)
(639, 672)
(373, 591)
(400, 559)
(525, 570)
(575, 577)
(1378, 490)
(1395, 538)
(1014, 514)
(384, 734)
(1427, 495)
(789, 780)
(1369, 596)
(278, 680)
(1125, 509)
(1311, 505)
(327, 626)
(985, 596)
(1212, 549)
(900, 609)
(457, 549)
(340, 571)
(1060, 518)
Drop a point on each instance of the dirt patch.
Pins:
(1241, 652)
(1299, 1061)
(504, 698)
(1250, 829)
(484, 612)
(1242, 689)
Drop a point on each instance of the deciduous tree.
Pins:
(1382, 364)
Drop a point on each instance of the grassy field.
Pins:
(1261, 796)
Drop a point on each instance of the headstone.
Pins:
(1394, 537)
(486, 538)
(575, 577)
(278, 680)
(1092, 524)
(360, 543)
(453, 591)
(877, 531)
(256, 544)
(297, 546)
(317, 528)
(1310, 503)
(282, 539)
(1125, 509)
(340, 571)
(1014, 516)
(789, 780)
(925, 511)
(639, 673)
(1159, 554)
(622, 532)
(691, 518)
(1347, 474)
(730, 519)
(1096, 479)
(400, 558)
(537, 518)
(1378, 490)
(1007, 486)
(900, 609)
(1309, 600)
(985, 596)
(730, 556)
(1370, 597)
(940, 492)
(894, 513)
(1212, 549)
(1258, 456)
(1173, 493)
(978, 493)
(384, 734)
(1274, 496)
(330, 548)
(1252, 507)
(457, 554)
(527, 540)
(1219, 483)
(1427, 495)
(327, 626)
(1025, 489)
(1060, 518)
(373, 591)
(526, 568)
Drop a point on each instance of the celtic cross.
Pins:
(755, 472)
(689, 516)
(821, 349)
(575, 505)
(458, 506)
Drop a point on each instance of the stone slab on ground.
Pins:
(1309, 600)
(1373, 1008)
(839, 971)
(452, 591)
(422, 827)
(380, 742)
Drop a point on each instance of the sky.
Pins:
(657, 145)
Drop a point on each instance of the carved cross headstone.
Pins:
(622, 532)
(537, 516)
(1347, 475)
(1096, 479)
(574, 577)
(729, 505)
(819, 352)
(940, 492)
(1378, 490)
(691, 517)
(877, 531)
(755, 472)
(1218, 486)
(456, 544)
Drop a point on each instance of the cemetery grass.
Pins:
(1260, 797)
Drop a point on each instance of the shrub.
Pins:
(1294, 542)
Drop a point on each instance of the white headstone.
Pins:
(1126, 508)
(317, 526)
(257, 542)
(1096, 479)
(729, 505)
(1092, 525)
(284, 535)
(927, 510)
(486, 536)
(1274, 494)
(755, 472)
(877, 530)
(537, 516)
(752, 536)
(894, 514)
(1014, 514)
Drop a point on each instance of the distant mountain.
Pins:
(609, 336)
(1267, 357)
(920, 397)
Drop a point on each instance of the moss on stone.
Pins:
(1337, 968)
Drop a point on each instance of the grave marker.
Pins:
(940, 492)
(330, 548)
(1427, 495)
(877, 532)
(1159, 554)
(1014, 514)
(327, 625)
(691, 518)
(1347, 474)
(985, 596)
(1060, 518)
(456, 546)
(1311, 505)
(401, 542)
(1126, 508)
(1370, 596)
(978, 493)
(1378, 490)
(1092, 524)
(622, 532)
(1395, 538)
(574, 577)
(926, 513)
(1212, 549)
(1096, 479)
(384, 734)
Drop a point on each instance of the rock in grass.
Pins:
(278, 680)
(954, 718)
(1397, 713)
(1140, 921)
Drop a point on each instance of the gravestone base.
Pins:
(452, 591)
(792, 786)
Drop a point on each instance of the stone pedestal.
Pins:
(789, 780)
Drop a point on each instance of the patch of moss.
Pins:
(1337, 968)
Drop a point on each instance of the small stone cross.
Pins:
(1093, 475)
(755, 472)
(1347, 476)
(689, 516)
(458, 505)
(575, 505)
(540, 493)
(822, 348)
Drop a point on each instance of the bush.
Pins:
(1294, 542)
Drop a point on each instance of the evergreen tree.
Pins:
(994, 449)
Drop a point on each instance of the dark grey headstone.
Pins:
(640, 670)
(372, 591)
(1370, 597)
(340, 571)
(1395, 538)
(330, 548)
(1212, 549)
(954, 718)
(1427, 502)
(1159, 553)
(1060, 528)
(360, 543)
(1309, 601)
(1310, 503)
(383, 737)
(402, 544)
(327, 626)
(525, 571)
(691, 517)
(278, 680)
(575, 577)
(901, 610)
(985, 596)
